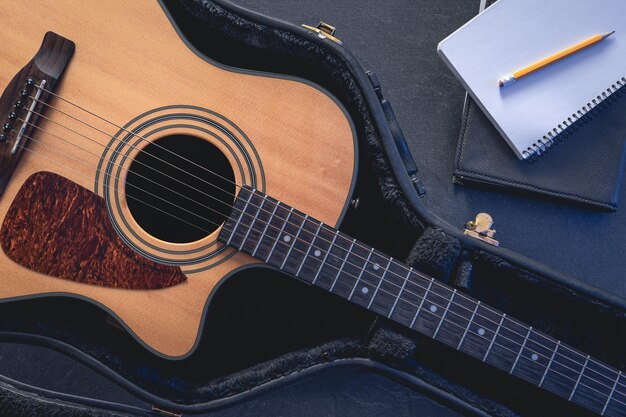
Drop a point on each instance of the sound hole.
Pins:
(180, 188)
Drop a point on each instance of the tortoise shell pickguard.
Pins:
(58, 228)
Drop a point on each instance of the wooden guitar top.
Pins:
(130, 66)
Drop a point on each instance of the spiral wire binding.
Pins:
(569, 126)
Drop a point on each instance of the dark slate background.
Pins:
(398, 40)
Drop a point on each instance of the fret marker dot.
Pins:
(376, 267)
(433, 309)
(317, 253)
(481, 331)
(534, 356)
(286, 238)
(365, 290)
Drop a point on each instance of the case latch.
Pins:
(324, 30)
(325, 27)
(480, 228)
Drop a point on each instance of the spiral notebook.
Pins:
(545, 107)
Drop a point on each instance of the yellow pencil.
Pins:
(551, 59)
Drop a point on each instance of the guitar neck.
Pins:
(321, 255)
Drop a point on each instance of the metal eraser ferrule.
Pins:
(509, 79)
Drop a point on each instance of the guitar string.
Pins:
(95, 115)
(108, 147)
(106, 173)
(520, 353)
(214, 223)
(95, 155)
(139, 175)
(237, 185)
(467, 329)
(210, 208)
(141, 138)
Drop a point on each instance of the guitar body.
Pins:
(131, 67)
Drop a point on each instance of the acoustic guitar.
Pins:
(138, 175)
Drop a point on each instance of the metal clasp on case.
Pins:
(324, 30)
(480, 228)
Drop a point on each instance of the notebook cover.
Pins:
(586, 169)
(512, 34)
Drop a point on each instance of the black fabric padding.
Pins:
(435, 253)
(262, 326)
(589, 323)
(18, 403)
(264, 48)
(391, 344)
(463, 276)
(398, 41)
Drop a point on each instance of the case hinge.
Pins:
(480, 228)
(324, 30)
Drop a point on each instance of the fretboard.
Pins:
(321, 255)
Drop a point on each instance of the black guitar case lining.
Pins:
(293, 349)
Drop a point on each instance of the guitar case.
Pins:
(274, 346)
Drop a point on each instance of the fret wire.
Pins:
(293, 243)
(604, 366)
(308, 251)
(619, 374)
(443, 316)
(419, 308)
(267, 225)
(519, 354)
(582, 371)
(330, 248)
(583, 366)
(245, 207)
(356, 284)
(395, 303)
(345, 259)
(542, 335)
(253, 220)
(550, 362)
(382, 279)
(595, 361)
(495, 335)
(576, 352)
(490, 309)
(282, 229)
(469, 324)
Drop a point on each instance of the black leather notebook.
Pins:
(587, 169)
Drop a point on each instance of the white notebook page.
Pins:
(512, 34)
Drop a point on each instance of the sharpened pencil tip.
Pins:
(608, 34)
